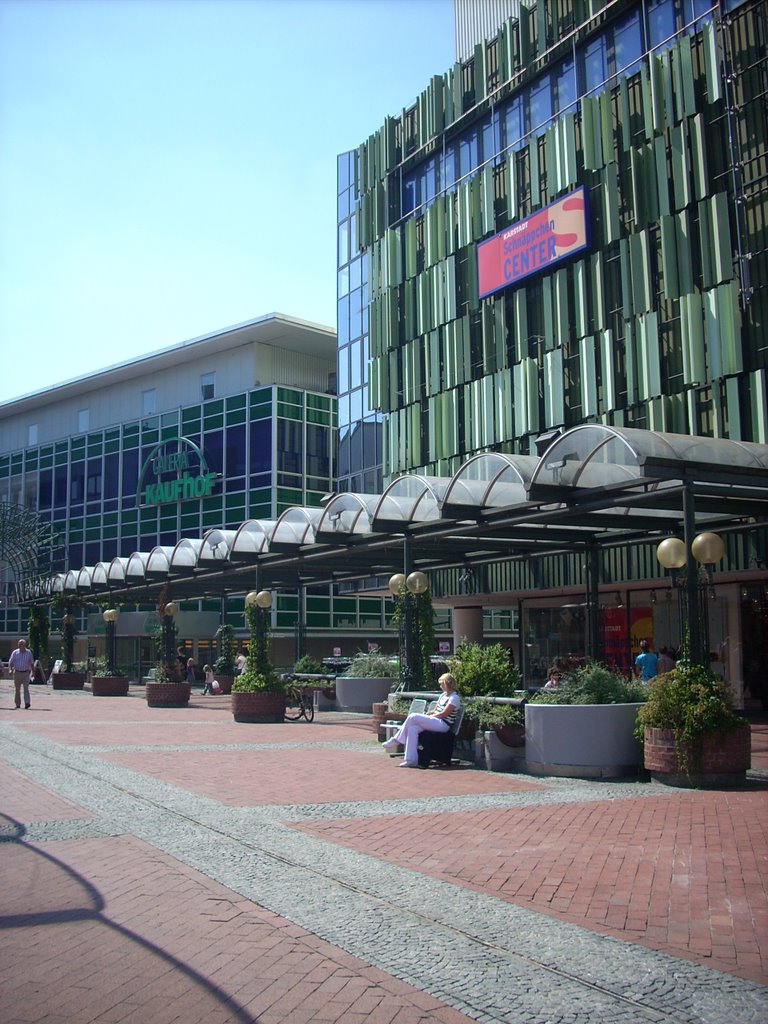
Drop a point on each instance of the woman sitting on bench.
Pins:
(440, 719)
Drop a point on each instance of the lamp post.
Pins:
(409, 589)
(169, 638)
(110, 618)
(693, 584)
(257, 605)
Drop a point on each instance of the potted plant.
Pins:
(368, 680)
(169, 688)
(507, 721)
(586, 727)
(691, 732)
(107, 680)
(67, 678)
(224, 666)
(482, 670)
(258, 695)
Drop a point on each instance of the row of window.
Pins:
(613, 53)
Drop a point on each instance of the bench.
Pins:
(438, 746)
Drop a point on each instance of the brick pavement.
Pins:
(98, 924)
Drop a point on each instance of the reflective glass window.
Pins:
(355, 364)
(355, 269)
(513, 125)
(566, 85)
(409, 194)
(344, 449)
(448, 167)
(76, 483)
(356, 405)
(429, 181)
(94, 480)
(343, 243)
(540, 103)
(213, 447)
(661, 21)
(343, 366)
(261, 446)
(342, 320)
(468, 151)
(343, 170)
(111, 475)
(491, 137)
(342, 207)
(290, 446)
(45, 492)
(628, 43)
(130, 471)
(235, 451)
(595, 64)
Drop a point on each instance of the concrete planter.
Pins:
(68, 680)
(168, 695)
(582, 741)
(258, 707)
(360, 693)
(722, 760)
(109, 686)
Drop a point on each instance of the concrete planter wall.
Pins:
(68, 680)
(109, 686)
(167, 695)
(723, 759)
(260, 706)
(583, 741)
(360, 693)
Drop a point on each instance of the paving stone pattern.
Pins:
(308, 879)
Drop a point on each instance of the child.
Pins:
(208, 675)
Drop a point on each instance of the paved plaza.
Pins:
(164, 866)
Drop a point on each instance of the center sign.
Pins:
(533, 244)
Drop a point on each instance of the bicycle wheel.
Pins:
(294, 704)
(309, 708)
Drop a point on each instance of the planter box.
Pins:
(258, 707)
(360, 693)
(582, 741)
(68, 680)
(723, 760)
(225, 682)
(167, 695)
(109, 686)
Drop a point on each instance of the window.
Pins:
(148, 402)
(83, 419)
(207, 386)
(32, 433)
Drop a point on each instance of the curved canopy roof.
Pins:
(594, 485)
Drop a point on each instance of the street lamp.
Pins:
(257, 605)
(169, 637)
(110, 619)
(408, 590)
(693, 584)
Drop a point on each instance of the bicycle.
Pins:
(298, 704)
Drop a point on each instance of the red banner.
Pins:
(533, 244)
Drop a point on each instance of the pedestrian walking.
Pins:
(21, 663)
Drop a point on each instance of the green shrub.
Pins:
(371, 666)
(483, 671)
(251, 681)
(690, 699)
(307, 665)
(594, 684)
(486, 715)
(225, 640)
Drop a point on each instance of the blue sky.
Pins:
(168, 167)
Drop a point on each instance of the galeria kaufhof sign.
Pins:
(175, 470)
(534, 244)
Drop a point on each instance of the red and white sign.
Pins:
(533, 244)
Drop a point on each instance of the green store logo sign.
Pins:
(173, 457)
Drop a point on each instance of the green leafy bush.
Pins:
(483, 671)
(251, 681)
(486, 715)
(691, 700)
(371, 666)
(594, 683)
(225, 640)
(307, 665)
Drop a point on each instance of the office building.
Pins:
(566, 227)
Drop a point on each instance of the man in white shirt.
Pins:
(20, 663)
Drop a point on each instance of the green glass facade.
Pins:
(658, 110)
